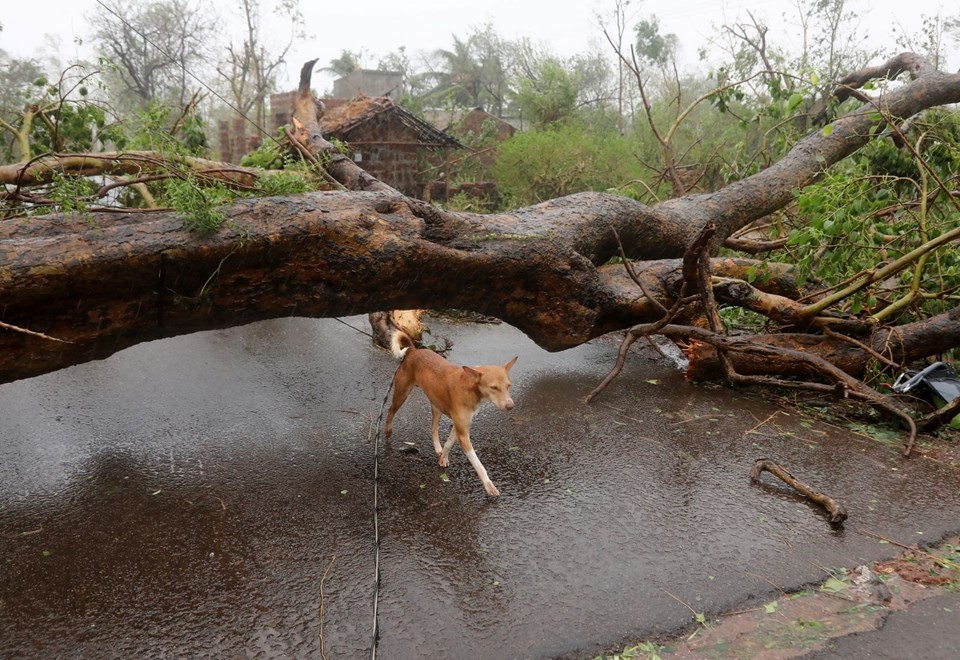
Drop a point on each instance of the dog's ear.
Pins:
(510, 364)
(473, 373)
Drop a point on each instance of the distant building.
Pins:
(368, 83)
(281, 110)
(393, 145)
(482, 132)
(462, 122)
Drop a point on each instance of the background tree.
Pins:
(548, 94)
(250, 69)
(936, 36)
(151, 47)
(20, 81)
(473, 73)
(617, 32)
(492, 54)
(344, 64)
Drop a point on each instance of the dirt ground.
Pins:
(840, 617)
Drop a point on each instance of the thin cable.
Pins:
(352, 327)
(375, 638)
(188, 72)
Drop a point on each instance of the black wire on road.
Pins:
(375, 638)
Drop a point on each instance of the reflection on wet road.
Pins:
(185, 497)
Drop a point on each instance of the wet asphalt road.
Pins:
(186, 497)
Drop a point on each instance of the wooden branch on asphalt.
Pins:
(843, 384)
(837, 511)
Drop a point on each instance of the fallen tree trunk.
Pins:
(103, 282)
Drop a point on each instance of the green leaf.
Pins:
(832, 586)
(770, 608)
(444, 477)
(795, 100)
(827, 130)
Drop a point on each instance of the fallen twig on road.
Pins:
(836, 510)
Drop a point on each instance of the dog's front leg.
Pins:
(467, 447)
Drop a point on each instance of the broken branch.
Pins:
(836, 510)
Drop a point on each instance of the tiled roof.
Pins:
(341, 116)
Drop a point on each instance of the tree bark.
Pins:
(105, 282)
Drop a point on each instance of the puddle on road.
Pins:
(185, 497)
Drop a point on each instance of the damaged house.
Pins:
(393, 145)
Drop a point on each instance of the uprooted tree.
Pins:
(80, 286)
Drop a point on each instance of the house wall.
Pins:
(281, 109)
(390, 151)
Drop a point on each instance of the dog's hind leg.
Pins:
(401, 390)
(444, 454)
(435, 429)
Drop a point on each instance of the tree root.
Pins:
(836, 510)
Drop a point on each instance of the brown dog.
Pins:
(453, 391)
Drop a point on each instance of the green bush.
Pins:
(539, 165)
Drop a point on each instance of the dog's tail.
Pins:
(400, 343)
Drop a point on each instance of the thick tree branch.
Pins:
(44, 169)
(772, 189)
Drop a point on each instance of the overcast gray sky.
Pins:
(380, 26)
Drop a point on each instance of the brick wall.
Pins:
(391, 151)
